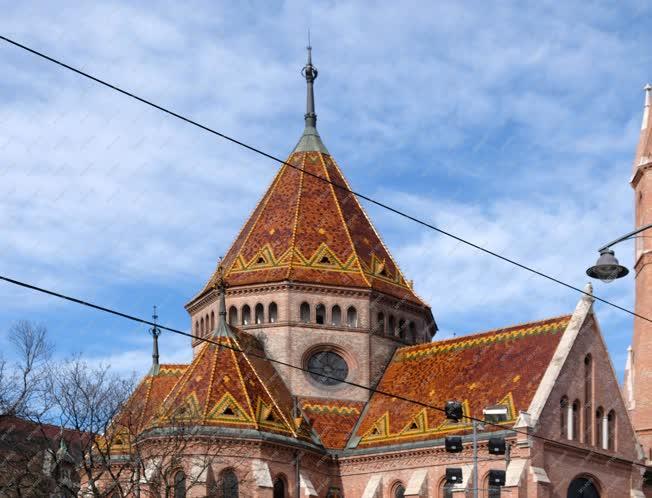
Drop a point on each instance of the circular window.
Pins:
(328, 368)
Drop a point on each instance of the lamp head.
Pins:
(607, 268)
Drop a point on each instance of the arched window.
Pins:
(575, 422)
(180, 485)
(336, 316)
(351, 317)
(588, 398)
(304, 312)
(445, 489)
(259, 313)
(212, 320)
(398, 490)
(272, 313)
(401, 328)
(611, 430)
(246, 315)
(380, 323)
(599, 428)
(201, 325)
(583, 487)
(563, 417)
(228, 485)
(413, 332)
(491, 490)
(279, 487)
(233, 315)
(320, 314)
(197, 329)
(392, 326)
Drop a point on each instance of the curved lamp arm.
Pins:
(625, 237)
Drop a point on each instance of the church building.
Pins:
(317, 372)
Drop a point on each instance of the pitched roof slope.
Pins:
(332, 420)
(230, 384)
(499, 367)
(306, 230)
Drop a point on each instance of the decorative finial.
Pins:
(310, 73)
(155, 333)
(648, 103)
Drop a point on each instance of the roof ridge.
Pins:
(339, 210)
(296, 216)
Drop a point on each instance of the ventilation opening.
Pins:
(325, 260)
(270, 417)
(375, 432)
(260, 261)
(414, 426)
(228, 412)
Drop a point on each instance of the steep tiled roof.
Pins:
(502, 367)
(332, 420)
(231, 385)
(644, 150)
(305, 230)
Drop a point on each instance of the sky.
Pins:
(511, 125)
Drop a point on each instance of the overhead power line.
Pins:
(373, 390)
(325, 180)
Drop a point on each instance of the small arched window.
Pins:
(279, 487)
(201, 325)
(588, 398)
(401, 328)
(599, 428)
(575, 422)
(563, 417)
(336, 316)
(398, 490)
(392, 326)
(180, 485)
(351, 317)
(228, 485)
(246, 315)
(445, 489)
(212, 320)
(304, 312)
(272, 313)
(233, 315)
(611, 431)
(380, 323)
(412, 328)
(259, 314)
(492, 491)
(320, 314)
(197, 329)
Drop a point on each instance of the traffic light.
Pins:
(496, 478)
(497, 446)
(453, 444)
(453, 410)
(453, 475)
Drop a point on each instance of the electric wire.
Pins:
(373, 390)
(325, 180)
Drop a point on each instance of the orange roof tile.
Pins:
(305, 230)
(332, 420)
(502, 366)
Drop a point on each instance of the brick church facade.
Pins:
(309, 283)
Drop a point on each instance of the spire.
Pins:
(155, 332)
(222, 329)
(310, 140)
(644, 150)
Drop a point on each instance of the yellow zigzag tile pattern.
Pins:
(482, 340)
(338, 410)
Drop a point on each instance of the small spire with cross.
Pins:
(648, 103)
(155, 332)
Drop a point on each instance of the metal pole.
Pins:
(475, 459)
(625, 237)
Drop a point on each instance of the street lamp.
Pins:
(607, 268)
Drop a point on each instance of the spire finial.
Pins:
(221, 285)
(310, 73)
(648, 103)
(155, 332)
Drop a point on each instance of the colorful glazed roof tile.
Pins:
(500, 367)
(332, 420)
(305, 229)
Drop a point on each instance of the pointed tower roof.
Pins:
(307, 230)
(644, 150)
(231, 384)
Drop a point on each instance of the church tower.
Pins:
(310, 276)
(638, 376)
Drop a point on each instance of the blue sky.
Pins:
(512, 126)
